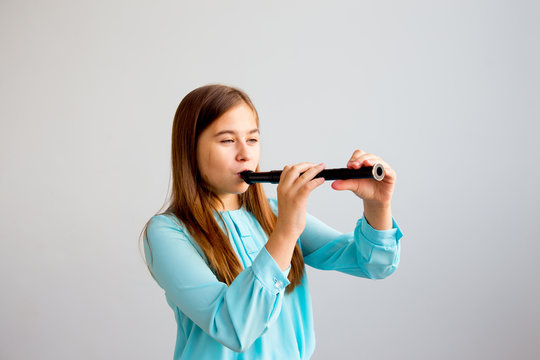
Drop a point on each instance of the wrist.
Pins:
(281, 247)
(378, 215)
(285, 232)
(379, 205)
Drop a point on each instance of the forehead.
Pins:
(239, 118)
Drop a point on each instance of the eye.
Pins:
(227, 141)
(254, 140)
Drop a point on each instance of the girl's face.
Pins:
(227, 147)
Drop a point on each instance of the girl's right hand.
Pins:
(292, 193)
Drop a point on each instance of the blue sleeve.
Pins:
(365, 252)
(234, 315)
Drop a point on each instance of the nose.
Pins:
(243, 152)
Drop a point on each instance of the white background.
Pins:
(447, 92)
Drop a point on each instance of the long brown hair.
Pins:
(192, 201)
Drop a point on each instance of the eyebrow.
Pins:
(234, 132)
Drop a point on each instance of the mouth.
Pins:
(239, 173)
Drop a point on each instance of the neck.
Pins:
(230, 202)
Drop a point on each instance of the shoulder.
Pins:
(165, 223)
(163, 219)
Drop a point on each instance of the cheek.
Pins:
(203, 164)
(214, 163)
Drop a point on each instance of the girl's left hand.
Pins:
(370, 190)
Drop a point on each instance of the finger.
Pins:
(357, 153)
(389, 173)
(291, 173)
(343, 185)
(308, 175)
(362, 160)
(312, 185)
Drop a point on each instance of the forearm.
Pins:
(281, 247)
(378, 215)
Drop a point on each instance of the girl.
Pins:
(231, 261)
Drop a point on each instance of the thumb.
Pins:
(344, 185)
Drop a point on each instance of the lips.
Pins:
(238, 173)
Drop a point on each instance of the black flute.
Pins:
(376, 172)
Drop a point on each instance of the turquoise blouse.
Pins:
(253, 318)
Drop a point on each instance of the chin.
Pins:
(242, 189)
